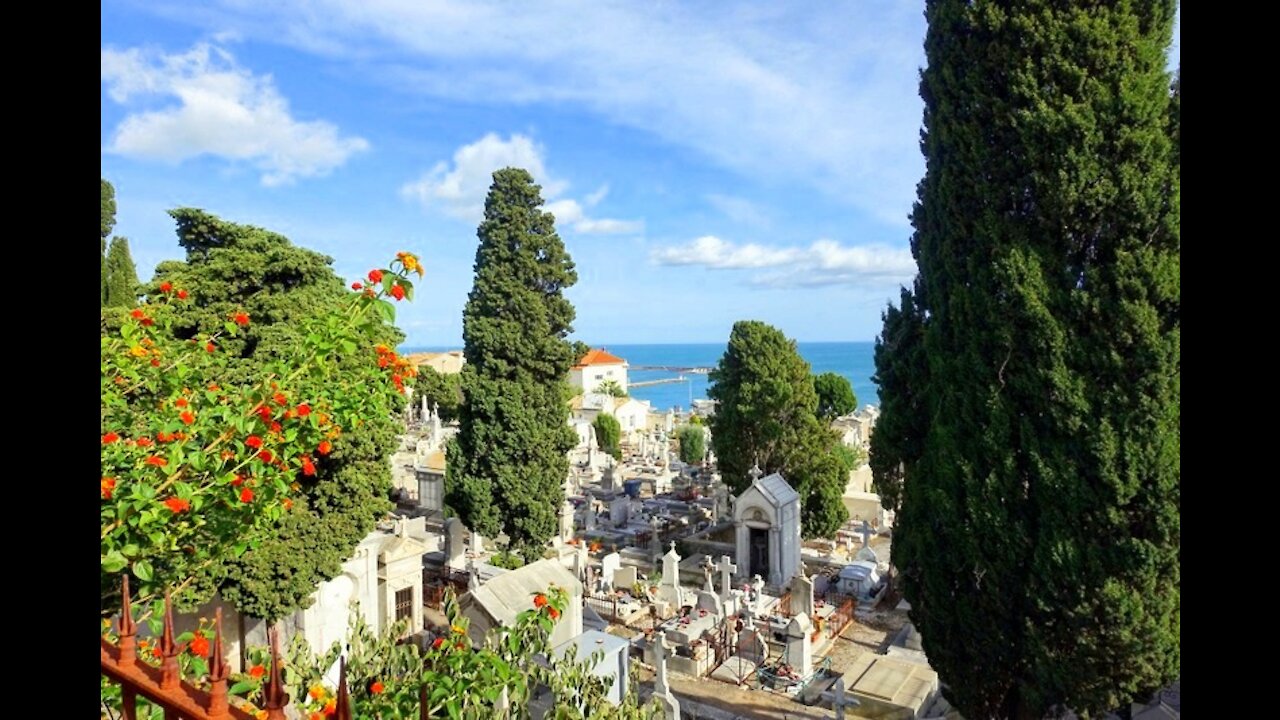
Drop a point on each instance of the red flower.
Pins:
(209, 347)
(237, 482)
(264, 412)
(554, 613)
(325, 447)
(187, 417)
(155, 362)
(435, 645)
(157, 461)
(163, 436)
(182, 294)
(166, 286)
(279, 398)
(275, 426)
(241, 318)
(177, 505)
(137, 314)
(308, 467)
(376, 688)
(199, 646)
(108, 487)
(257, 671)
(253, 441)
(148, 321)
(288, 504)
(397, 292)
(375, 275)
(181, 402)
(356, 286)
(214, 387)
(144, 442)
(384, 361)
(265, 456)
(539, 600)
(110, 438)
(246, 495)
(304, 410)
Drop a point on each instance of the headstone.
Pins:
(708, 569)
(566, 521)
(669, 590)
(801, 595)
(455, 548)
(589, 519)
(607, 481)
(727, 569)
(624, 577)
(619, 511)
(710, 602)
(799, 648)
(866, 553)
(609, 564)
(662, 695)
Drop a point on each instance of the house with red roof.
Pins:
(596, 368)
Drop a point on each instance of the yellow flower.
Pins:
(459, 629)
(316, 692)
(137, 351)
(410, 262)
(261, 715)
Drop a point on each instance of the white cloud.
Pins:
(738, 209)
(223, 110)
(825, 262)
(460, 189)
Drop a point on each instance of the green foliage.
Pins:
(835, 395)
(693, 444)
(580, 350)
(506, 472)
(287, 290)
(122, 276)
(1030, 380)
(444, 390)
(609, 435)
(507, 560)
(108, 222)
(768, 416)
(611, 388)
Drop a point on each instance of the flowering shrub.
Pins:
(207, 467)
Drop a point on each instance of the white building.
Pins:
(502, 598)
(597, 367)
(766, 518)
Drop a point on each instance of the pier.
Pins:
(660, 381)
(672, 368)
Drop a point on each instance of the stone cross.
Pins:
(866, 533)
(708, 569)
(755, 472)
(727, 569)
(758, 587)
(839, 701)
(660, 647)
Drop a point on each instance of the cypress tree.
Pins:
(1030, 380)
(121, 275)
(767, 416)
(108, 222)
(508, 468)
(609, 435)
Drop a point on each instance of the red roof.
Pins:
(599, 357)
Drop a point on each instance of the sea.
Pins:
(854, 360)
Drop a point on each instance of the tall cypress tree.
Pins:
(767, 416)
(121, 275)
(108, 222)
(508, 467)
(1031, 379)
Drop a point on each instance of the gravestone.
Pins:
(801, 595)
(589, 519)
(710, 602)
(477, 543)
(669, 590)
(620, 511)
(624, 578)
(610, 564)
(799, 648)
(566, 521)
(455, 549)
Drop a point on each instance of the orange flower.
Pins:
(279, 398)
(316, 692)
(137, 351)
(166, 286)
(304, 410)
(164, 436)
(137, 314)
(144, 442)
(182, 294)
(381, 349)
(200, 646)
(157, 461)
(110, 438)
(539, 600)
(375, 275)
(554, 613)
(108, 487)
(214, 387)
(377, 687)
(180, 402)
(187, 417)
(260, 715)
(155, 362)
(241, 318)
(288, 504)
(209, 347)
(331, 706)
(308, 467)
(246, 495)
(316, 716)
(397, 291)
(177, 505)
(253, 441)
(275, 426)
(237, 482)
(325, 447)
(257, 671)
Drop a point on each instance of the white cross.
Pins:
(726, 576)
(838, 700)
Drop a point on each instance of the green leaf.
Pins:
(130, 550)
(114, 562)
(241, 687)
(142, 569)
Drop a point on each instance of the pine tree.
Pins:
(122, 276)
(1030, 380)
(767, 416)
(508, 468)
(835, 395)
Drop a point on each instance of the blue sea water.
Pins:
(854, 360)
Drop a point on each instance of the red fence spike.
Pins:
(274, 693)
(344, 696)
(218, 707)
(128, 629)
(172, 674)
(422, 702)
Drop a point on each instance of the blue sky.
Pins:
(706, 163)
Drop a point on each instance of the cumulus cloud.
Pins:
(460, 188)
(222, 110)
(825, 262)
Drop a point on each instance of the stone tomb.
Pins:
(766, 517)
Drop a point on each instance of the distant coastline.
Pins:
(854, 360)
